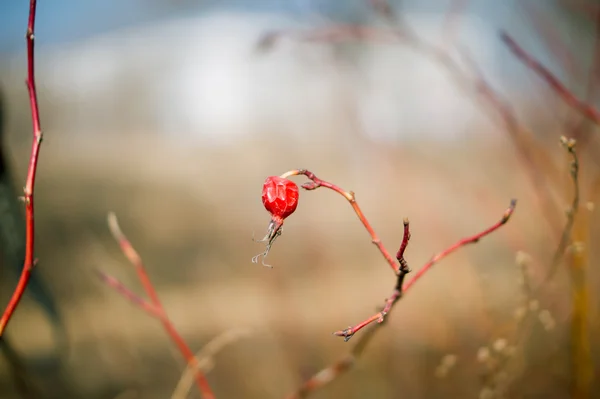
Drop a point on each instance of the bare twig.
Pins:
(401, 288)
(526, 324)
(205, 359)
(536, 66)
(29, 261)
(551, 38)
(349, 195)
(403, 270)
(330, 373)
(565, 238)
(154, 307)
(129, 295)
(333, 371)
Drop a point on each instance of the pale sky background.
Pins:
(203, 77)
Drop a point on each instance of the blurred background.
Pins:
(172, 114)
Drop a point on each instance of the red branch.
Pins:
(349, 195)
(536, 66)
(401, 288)
(154, 307)
(330, 373)
(401, 269)
(29, 261)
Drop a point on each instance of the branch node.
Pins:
(311, 185)
(351, 197)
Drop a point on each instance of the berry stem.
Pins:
(350, 197)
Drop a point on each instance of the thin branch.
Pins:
(536, 66)
(350, 197)
(533, 158)
(134, 258)
(565, 239)
(401, 288)
(394, 297)
(155, 308)
(330, 373)
(333, 371)
(132, 297)
(551, 38)
(205, 359)
(465, 241)
(29, 261)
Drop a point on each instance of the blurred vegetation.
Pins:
(486, 322)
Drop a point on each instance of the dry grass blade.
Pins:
(565, 238)
(205, 359)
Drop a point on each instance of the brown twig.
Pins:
(565, 239)
(29, 261)
(350, 197)
(154, 307)
(536, 66)
(401, 288)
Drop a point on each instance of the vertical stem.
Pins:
(31, 174)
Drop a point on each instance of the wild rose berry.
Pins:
(280, 197)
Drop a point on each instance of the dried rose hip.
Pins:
(280, 198)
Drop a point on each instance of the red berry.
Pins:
(280, 197)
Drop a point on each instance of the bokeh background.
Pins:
(172, 113)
